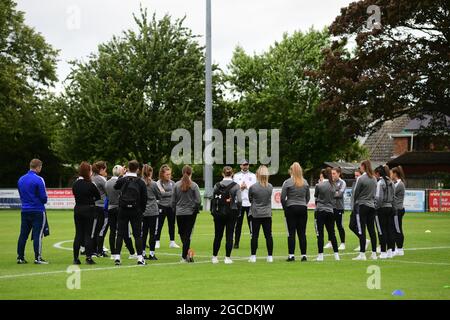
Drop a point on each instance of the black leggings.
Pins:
(185, 230)
(266, 224)
(85, 223)
(100, 230)
(324, 218)
(125, 217)
(163, 213)
(338, 218)
(222, 223)
(149, 224)
(398, 228)
(363, 217)
(384, 222)
(296, 219)
(112, 218)
(244, 211)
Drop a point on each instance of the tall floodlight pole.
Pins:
(208, 174)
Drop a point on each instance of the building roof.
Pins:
(349, 168)
(422, 158)
(416, 124)
(380, 144)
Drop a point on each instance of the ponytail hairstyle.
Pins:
(98, 166)
(367, 168)
(384, 174)
(323, 173)
(147, 172)
(296, 173)
(399, 172)
(262, 175)
(387, 171)
(186, 181)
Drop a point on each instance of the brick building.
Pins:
(424, 158)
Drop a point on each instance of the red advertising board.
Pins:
(59, 193)
(60, 199)
(439, 200)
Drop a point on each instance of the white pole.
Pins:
(208, 174)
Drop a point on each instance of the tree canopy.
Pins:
(125, 101)
(275, 90)
(321, 89)
(27, 70)
(402, 68)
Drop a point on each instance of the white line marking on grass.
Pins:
(309, 255)
(419, 262)
(12, 276)
(426, 248)
(58, 245)
(94, 269)
(410, 249)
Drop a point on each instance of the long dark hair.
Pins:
(383, 171)
(399, 172)
(186, 181)
(367, 168)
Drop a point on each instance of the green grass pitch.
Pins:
(423, 273)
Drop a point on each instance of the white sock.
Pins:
(140, 258)
(291, 256)
(152, 253)
(253, 256)
(117, 257)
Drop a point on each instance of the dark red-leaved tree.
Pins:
(398, 64)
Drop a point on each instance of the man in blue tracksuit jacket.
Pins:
(33, 198)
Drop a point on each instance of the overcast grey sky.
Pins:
(76, 27)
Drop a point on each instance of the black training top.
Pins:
(85, 192)
(142, 190)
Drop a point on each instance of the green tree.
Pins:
(27, 69)
(126, 100)
(275, 90)
(400, 68)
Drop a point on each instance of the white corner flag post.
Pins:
(208, 174)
